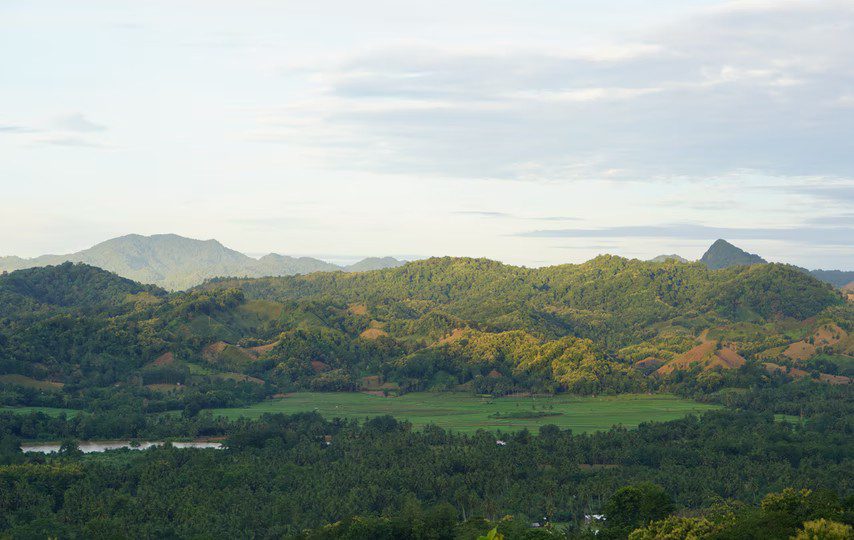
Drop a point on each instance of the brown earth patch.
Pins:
(699, 354)
(262, 349)
(379, 393)
(494, 374)
(800, 350)
(319, 366)
(648, 364)
(212, 351)
(834, 379)
(165, 359)
(455, 335)
(796, 373)
(826, 335)
(727, 358)
(357, 309)
(373, 333)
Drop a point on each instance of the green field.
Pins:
(50, 411)
(468, 413)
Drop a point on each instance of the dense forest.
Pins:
(725, 474)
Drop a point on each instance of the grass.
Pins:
(29, 382)
(468, 413)
(50, 411)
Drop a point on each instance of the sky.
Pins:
(534, 132)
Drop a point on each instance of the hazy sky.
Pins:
(534, 132)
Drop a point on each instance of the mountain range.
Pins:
(175, 262)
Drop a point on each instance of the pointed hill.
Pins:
(722, 254)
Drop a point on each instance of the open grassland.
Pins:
(468, 413)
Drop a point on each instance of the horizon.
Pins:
(533, 135)
(344, 260)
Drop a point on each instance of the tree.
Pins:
(633, 506)
(823, 529)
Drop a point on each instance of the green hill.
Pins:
(442, 323)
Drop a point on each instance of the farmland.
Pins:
(468, 413)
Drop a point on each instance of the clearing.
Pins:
(468, 413)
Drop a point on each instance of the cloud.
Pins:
(480, 213)
(78, 123)
(71, 141)
(11, 129)
(837, 235)
(506, 215)
(747, 86)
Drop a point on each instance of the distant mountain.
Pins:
(665, 258)
(175, 262)
(722, 254)
(284, 265)
(837, 278)
(374, 263)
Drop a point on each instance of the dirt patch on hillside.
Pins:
(728, 359)
(796, 373)
(221, 351)
(826, 335)
(455, 335)
(319, 366)
(262, 349)
(698, 355)
(165, 359)
(373, 333)
(800, 350)
(212, 351)
(357, 309)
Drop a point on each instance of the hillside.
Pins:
(443, 323)
(722, 254)
(175, 262)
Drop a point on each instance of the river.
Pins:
(88, 447)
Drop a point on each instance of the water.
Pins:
(99, 446)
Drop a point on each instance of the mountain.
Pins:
(671, 257)
(175, 262)
(274, 264)
(837, 278)
(374, 263)
(722, 254)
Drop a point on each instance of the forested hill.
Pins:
(608, 325)
(600, 297)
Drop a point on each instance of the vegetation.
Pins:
(302, 475)
(467, 413)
